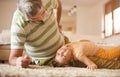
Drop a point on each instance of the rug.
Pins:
(47, 71)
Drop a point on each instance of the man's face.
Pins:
(63, 55)
(39, 16)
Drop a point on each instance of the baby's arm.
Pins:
(90, 64)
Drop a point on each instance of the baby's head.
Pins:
(64, 56)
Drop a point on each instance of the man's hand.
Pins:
(23, 61)
(92, 67)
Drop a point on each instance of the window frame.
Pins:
(110, 8)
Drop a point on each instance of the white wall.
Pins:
(89, 22)
(7, 8)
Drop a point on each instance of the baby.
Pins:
(79, 51)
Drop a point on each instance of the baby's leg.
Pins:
(111, 54)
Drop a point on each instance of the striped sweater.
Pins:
(41, 40)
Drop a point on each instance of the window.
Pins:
(112, 18)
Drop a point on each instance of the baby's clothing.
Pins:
(111, 54)
(90, 49)
(101, 63)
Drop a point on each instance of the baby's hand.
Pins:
(92, 67)
(23, 61)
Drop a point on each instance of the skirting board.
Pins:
(4, 54)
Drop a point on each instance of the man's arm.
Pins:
(16, 58)
(59, 11)
(14, 54)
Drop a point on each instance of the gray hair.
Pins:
(29, 7)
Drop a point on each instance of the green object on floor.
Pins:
(102, 63)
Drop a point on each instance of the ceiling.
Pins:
(69, 3)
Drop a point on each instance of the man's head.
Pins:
(64, 56)
(33, 9)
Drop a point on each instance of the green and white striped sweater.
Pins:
(41, 40)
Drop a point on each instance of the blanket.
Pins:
(47, 71)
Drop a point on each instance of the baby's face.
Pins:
(63, 55)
